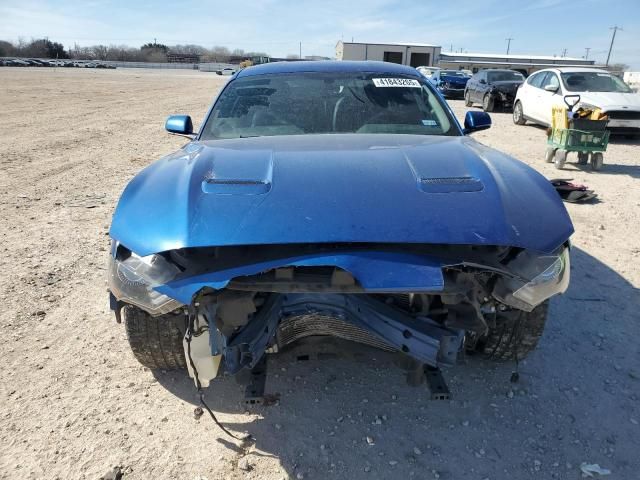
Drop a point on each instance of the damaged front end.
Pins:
(425, 300)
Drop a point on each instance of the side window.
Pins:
(537, 79)
(551, 79)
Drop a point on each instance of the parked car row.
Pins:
(37, 62)
(534, 98)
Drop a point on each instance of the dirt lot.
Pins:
(75, 403)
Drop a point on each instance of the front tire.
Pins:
(156, 342)
(597, 160)
(560, 159)
(488, 103)
(518, 333)
(549, 154)
(467, 99)
(518, 114)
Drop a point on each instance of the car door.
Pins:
(470, 86)
(550, 96)
(478, 88)
(530, 96)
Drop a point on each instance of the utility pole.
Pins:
(451, 49)
(508, 44)
(564, 52)
(615, 28)
(300, 51)
(586, 54)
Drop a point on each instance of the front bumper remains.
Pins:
(421, 338)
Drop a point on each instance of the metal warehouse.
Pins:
(526, 64)
(419, 54)
(412, 54)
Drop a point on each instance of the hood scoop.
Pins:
(450, 184)
(458, 174)
(238, 172)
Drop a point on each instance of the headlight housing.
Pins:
(539, 277)
(132, 278)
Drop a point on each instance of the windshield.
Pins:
(593, 82)
(337, 102)
(504, 77)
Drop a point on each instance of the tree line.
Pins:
(149, 52)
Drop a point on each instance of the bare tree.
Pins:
(100, 52)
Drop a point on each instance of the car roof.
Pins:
(328, 66)
(573, 69)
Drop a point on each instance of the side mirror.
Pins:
(483, 81)
(476, 121)
(180, 124)
(551, 88)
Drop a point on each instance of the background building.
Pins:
(420, 54)
(526, 64)
(412, 54)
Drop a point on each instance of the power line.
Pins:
(509, 44)
(615, 28)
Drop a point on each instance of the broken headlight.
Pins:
(536, 278)
(132, 280)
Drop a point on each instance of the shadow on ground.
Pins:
(354, 416)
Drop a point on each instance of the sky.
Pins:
(543, 27)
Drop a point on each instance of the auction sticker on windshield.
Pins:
(396, 82)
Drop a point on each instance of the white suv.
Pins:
(596, 88)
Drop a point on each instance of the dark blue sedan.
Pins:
(334, 198)
(450, 83)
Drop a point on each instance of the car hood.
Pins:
(610, 100)
(339, 188)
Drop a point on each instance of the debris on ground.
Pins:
(115, 473)
(573, 192)
(593, 469)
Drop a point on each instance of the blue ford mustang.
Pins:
(334, 198)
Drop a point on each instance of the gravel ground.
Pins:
(75, 403)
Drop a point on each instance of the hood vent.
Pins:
(450, 184)
(228, 186)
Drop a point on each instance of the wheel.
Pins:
(560, 159)
(549, 154)
(467, 99)
(518, 114)
(596, 161)
(515, 331)
(156, 342)
(583, 158)
(488, 103)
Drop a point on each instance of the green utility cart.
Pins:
(573, 132)
(589, 144)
